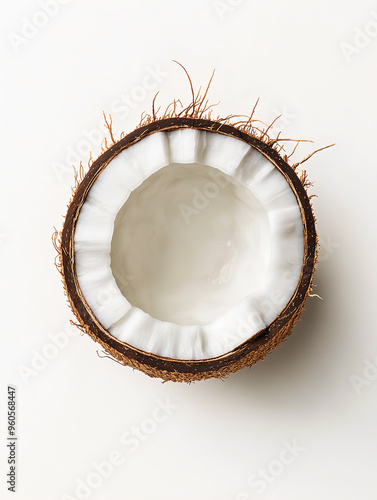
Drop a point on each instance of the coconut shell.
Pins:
(248, 352)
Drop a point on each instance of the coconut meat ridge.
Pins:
(189, 243)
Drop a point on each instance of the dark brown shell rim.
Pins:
(162, 364)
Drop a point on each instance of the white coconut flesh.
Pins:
(188, 243)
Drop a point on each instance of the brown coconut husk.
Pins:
(197, 115)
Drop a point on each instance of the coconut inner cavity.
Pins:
(189, 243)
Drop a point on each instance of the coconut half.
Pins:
(188, 248)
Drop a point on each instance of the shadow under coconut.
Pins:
(301, 370)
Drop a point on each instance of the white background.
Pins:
(315, 62)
